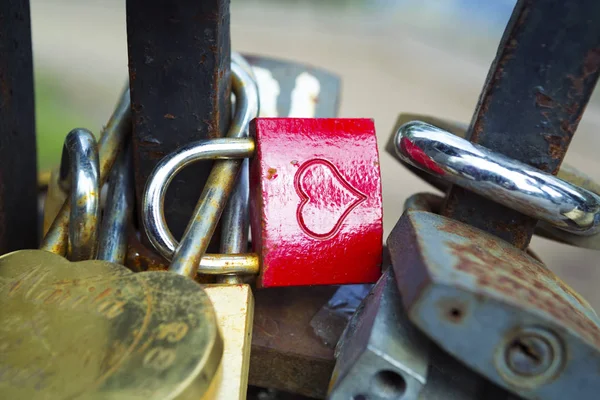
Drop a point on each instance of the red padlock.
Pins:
(316, 203)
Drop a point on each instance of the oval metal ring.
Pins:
(81, 154)
(499, 178)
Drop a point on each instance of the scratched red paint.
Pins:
(419, 156)
(319, 222)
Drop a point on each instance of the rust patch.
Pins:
(591, 63)
(556, 145)
(140, 258)
(271, 173)
(507, 54)
(543, 100)
(169, 116)
(511, 273)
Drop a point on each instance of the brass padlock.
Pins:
(98, 329)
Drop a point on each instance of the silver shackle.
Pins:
(80, 167)
(186, 257)
(504, 180)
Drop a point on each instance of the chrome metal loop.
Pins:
(81, 155)
(218, 187)
(499, 178)
(153, 216)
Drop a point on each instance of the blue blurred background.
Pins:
(425, 56)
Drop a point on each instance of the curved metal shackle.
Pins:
(235, 221)
(80, 153)
(492, 175)
(118, 211)
(153, 215)
(219, 185)
(109, 145)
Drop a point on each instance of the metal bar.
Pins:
(536, 91)
(18, 162)
(180, 77)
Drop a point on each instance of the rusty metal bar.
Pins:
(536, 91)
(180, 79)
(18, 162)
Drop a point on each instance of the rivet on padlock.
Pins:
(315, 199)
(98, 327)
(494, 307)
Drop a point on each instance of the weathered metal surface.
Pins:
(18, 162)
(381, 355)
(315, 201)
(467, 289)
(118, 211)
(291, 89)
(286, 354)
(80, 158)
(94, 330)
(179, 71)
(140, 258)
(111, 142)
(433, 203)
(544, 73)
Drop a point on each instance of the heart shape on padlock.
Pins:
(93, 329)
(326, 198)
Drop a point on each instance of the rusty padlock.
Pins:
(316, 206)
(495, 308)
(382, 356)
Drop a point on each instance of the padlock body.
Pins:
(234, 307)
(315, 201)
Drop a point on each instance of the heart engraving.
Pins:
(326, 198)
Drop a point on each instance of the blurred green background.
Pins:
(61, 27)
(420, 56)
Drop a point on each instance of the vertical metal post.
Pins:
(536, 91)
(180, 79)
(18, 160)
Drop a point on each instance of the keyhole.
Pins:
(529, 355)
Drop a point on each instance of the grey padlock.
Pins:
(495, 308)
(382, 356)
